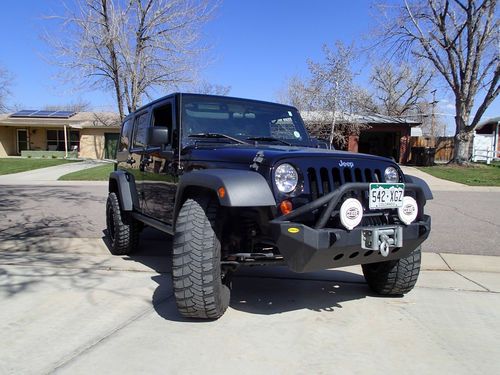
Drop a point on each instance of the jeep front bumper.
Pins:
(308, 249)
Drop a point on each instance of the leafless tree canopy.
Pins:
(77, 106)
(329, 93)
(5, 82)
(131, 47)
(460, 39)
(400, 90)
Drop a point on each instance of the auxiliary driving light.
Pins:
(351, 213)
(409, 211)
(286, 207)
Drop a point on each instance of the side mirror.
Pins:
(158, 136)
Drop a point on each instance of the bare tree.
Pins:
(329, 96)
(332, 82)
(400, 90)
(77, 106)
(205, 87)
(460, 39)
(132, 47)
(298, 93)
(5, 83)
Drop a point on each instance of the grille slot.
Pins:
(323, 180)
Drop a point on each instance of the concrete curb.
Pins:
(97, 252)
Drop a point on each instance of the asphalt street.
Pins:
(463, 222)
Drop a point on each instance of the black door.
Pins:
(110, 144)
(137, 158)
(160, 167)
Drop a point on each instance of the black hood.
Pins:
(245, 154)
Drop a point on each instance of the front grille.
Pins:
(325, 180)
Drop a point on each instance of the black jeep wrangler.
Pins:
(239, 182)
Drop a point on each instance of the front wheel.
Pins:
(394, 277)
(196, 263)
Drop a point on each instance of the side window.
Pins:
(163, 116)
(141, 130)
(125, 135)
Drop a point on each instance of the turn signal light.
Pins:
(222, 192)
(286, 207)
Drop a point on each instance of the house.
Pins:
(35, 133)
(379, 135)
(486, 145)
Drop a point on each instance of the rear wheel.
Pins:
(394, 277)
(196, 270)
(123, 234)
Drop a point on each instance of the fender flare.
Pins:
(418, 181)
(126, 190)
(242, 188)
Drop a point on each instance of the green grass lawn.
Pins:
(100, 173)
(15, 165)
(475, 175)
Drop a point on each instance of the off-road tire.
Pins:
(394, 277)
(196, 261)
(123, 234)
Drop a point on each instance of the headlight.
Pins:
(286, 178)
(391, 175)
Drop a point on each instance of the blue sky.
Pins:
(257, 44)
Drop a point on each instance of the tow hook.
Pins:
(384, 245)
(382, 239)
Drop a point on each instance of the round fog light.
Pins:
(409, 211)
(351, 213)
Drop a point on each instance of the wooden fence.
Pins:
(444, 146)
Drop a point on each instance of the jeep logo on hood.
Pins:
(349, 164)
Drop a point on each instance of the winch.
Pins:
(382, 239)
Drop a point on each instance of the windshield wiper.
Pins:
(217, 135)
(269, 139)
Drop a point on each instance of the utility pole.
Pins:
(433, 114)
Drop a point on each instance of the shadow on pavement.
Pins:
(256, 290)
(38, 211)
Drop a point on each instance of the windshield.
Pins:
(246, 120)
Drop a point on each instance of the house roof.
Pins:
(80, 120)
(372, 119)
(489, 121)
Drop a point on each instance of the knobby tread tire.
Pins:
(123, 234)
(196, 269)
(396, 277)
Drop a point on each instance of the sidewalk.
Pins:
(50, 175)
(437, 184)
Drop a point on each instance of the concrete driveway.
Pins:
(69, 307)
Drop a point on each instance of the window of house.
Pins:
(55, 140)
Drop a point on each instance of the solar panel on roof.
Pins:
(64, 114)
(23, 113)
(42, 114)
(31, 113)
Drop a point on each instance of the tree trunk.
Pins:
(462, 150)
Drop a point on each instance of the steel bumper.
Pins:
(308, 249)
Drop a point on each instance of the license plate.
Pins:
(386, 195)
